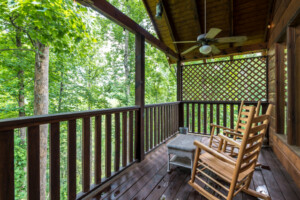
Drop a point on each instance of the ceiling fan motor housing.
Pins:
(200, 37)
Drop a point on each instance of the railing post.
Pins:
(140, 93)
(179, 94)
(7, 165)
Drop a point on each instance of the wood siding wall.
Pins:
(289, 155)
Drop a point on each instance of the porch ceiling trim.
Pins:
(111, 12)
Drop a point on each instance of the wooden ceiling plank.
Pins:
(170, 24)
(231, 19)
(114, 14)
(196, 16)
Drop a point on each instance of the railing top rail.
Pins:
(224, 102)
(162, 104)
(8, 124)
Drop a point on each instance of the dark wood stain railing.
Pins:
(109, 117)
(161, 123)
(119, 128)
(198, 115)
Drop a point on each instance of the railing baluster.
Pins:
(168, 121)
(7, 165)
(211, 118)
(165, 122)
(147, 129)
(86, 145)
(155, 126)
(33, 162)
(193, 117)
(218, 116)
(188, 116)
(151, 127)
(199, 118)
(108, 145)
(54, 161)
(124, 139)
(117, 142)
(158, 125)
(162, 124)
(72, 159)
(231, 115)
(225, 115)
(205, 119)
(173, 119)
(98, 140)
(130, 136)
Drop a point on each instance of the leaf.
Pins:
(36, 3)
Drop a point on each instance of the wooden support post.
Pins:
(179, 88)
(279, 56)
(140, 93)
(291, 58)
(179, 95)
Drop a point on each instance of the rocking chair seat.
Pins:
(225, 170)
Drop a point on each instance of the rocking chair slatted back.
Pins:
(239, 174)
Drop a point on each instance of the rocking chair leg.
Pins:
(256, 194)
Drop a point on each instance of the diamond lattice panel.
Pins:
(242, 79)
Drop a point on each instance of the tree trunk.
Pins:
(41, 101)
(61, 89)
(126, 67)
(21, 98)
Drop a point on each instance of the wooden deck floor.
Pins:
(149, 180)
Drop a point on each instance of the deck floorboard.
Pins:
(149, 180)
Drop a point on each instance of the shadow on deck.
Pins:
(149, 180)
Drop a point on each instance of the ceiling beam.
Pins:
(269, 18)
(196, 16)
(111, 12)
(170, 24)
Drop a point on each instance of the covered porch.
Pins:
(132, 139)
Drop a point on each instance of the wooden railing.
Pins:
(108, 132)
(198, 115)
(161, 122)
(119, 123)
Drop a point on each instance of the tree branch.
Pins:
(17, 50)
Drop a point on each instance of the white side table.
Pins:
(182, 148)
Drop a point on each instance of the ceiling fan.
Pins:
(206, 41)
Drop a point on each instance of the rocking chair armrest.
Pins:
(226, 132)
(229, 140)
(213, 152)
(222, 127)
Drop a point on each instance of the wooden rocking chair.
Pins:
(238, 173)
(214, 139)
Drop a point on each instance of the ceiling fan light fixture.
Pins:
(205, 49)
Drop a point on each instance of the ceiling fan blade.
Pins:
(212, 33)
(190, 49)
(231, 39)
(215, 50)
(185, 42)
